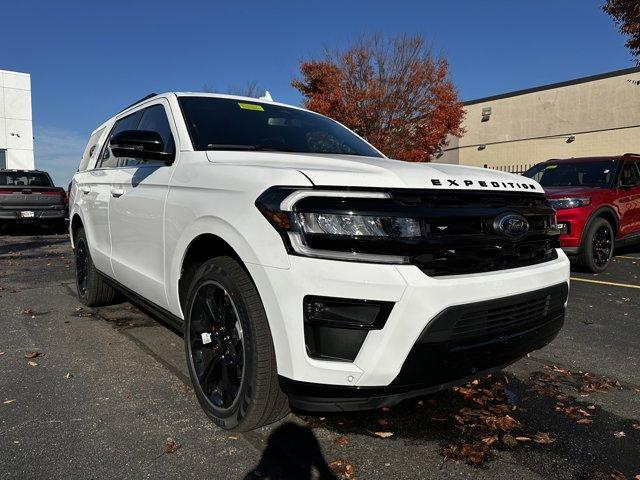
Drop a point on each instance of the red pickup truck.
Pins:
(29, 196)
(597, 200)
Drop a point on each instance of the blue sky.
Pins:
(88, 60)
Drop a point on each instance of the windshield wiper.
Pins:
(254, 148)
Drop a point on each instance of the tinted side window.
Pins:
(130, 122)
(90, 150)
(630, 174)
(154, 119)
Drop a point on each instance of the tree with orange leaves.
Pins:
(626, 14)
(393, 92)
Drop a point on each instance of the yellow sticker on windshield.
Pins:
(549, 167)
(251, 106)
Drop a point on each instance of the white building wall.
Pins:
(16, 130)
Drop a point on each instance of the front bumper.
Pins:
(575, 220)
(378, 374)
(439, 359)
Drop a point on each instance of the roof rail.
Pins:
(151, 95)
(629, 154)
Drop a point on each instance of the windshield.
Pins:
(569, 174)
(229, 124)
(25, 179)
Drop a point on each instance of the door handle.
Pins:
(117, 192)
(85, 189)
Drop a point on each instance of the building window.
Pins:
(3, 159)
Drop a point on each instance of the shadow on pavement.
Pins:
(39, 237)
(292, 452)
(548, 424)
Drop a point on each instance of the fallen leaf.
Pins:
(636, 426)
(232, 437)
(616, 475)
(1, 353)
(543, 438)
(68, 376)
(584, 421)
(33, 354)
(504, 423)
(341, 441)
(31, 363)
(381, 434)
(383, 421)
(508, 440)
(7, 402)
(26, 311)
(473, 453)
(619, 434)
(555, 368)
(490, 440)
(523, 439)
(171, 446)
(342, 468)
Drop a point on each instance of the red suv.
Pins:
(598, 204)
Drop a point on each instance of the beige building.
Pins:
(598, 115)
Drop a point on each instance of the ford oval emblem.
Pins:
(511, 225)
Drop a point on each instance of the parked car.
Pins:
(29, 196)
(304, 267)
(598, 204)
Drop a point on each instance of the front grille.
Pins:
(486, 258)
(501, 320)
(469, 199)
(461, 239)
(495, 319)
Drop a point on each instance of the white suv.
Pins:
(304, 267)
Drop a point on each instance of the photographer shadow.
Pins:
(292, 452)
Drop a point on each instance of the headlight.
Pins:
(341, 225)
(564, 203)
(359, 225)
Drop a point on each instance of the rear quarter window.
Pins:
(90, 151)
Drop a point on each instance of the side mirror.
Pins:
(142, 144)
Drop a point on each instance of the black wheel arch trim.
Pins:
(598, 214)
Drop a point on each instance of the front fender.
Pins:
(227, 232)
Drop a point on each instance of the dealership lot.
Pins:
(106, 388)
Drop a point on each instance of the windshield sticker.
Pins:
(251, 106)
(549, 167)
(606, 171)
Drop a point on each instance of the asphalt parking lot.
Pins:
(98, 393)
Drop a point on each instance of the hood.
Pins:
(356, 171)
(564, 192)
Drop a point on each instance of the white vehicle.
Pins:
(304, 267)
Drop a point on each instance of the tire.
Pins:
(229, 349)
(92, 288)
(596, 251)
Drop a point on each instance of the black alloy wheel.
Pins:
(598, 243)
(602, 246)
(216, 346)
(82, 267)
(229, 348)
(93, 289)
